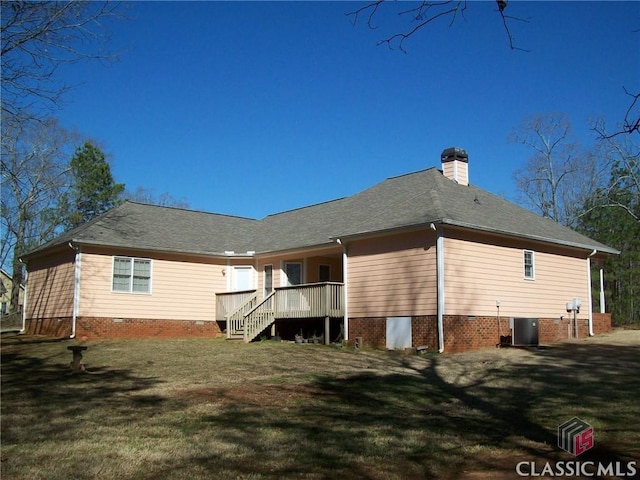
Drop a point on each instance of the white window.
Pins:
(293, 273)
(131, 275)
(529, 268)
(324, 273)
(268, 280)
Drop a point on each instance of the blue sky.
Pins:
(251, 108)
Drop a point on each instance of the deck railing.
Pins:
(243, 313)
(227, 303)
(312, 300)
(235, 319)
(259, 318)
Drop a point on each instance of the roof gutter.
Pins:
(582, 246)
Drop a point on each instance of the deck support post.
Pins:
(327, 324)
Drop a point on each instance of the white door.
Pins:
(242, 278)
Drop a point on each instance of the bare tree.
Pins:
(148, 195)
(425, 12)
(630, 123)
(621, 156)
(560, 175)
(36, 39)
(35, 173)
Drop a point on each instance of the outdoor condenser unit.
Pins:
(524, 332)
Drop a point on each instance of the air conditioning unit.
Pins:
(524, 332)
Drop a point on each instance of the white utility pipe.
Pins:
(603, 308)
(440, 288)
(591, 334)
(24, 303)
(345, 283)
(76, 289)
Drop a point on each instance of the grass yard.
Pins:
(182, 409)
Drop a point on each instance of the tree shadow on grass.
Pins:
(434, 417)
(55, 401)
(420, 422)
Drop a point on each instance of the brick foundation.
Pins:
(89, 328)
(96, 327)
(602, 323)
(465, 333)
(50, 327)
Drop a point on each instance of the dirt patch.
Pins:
(255, 395)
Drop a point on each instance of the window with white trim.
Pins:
(324, 273)
(131, 275)
(529, 265)
(268, 280)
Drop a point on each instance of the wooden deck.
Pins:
(247, 317)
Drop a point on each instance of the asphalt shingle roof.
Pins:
(409, 200)
(152, 227)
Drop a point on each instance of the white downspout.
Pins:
(346, 296)
(603, 308)
(76, 290)
(591, 334)
(24, 303)
(440, 287)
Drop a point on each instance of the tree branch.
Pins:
(425, 13)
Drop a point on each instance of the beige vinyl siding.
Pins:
(478, 273)
(456, 170)
(180, 289)
(313, 266)
(310, 261)
(50, 286)
(393, 275)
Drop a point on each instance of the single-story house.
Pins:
(422, 259)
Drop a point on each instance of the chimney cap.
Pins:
(454, 153)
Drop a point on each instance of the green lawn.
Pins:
(180, 409)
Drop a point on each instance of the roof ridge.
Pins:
(410, 173)
(305, 207)
(187, 209)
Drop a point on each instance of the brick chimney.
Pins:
(455, 165)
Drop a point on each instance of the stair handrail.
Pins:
(235, 318)
(258, 318)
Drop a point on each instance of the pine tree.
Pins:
(94, 190)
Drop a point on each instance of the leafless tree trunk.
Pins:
(34, 176)
(560, 175)
(621, 155)
(36, 39)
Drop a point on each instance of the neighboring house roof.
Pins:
(405, 201)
